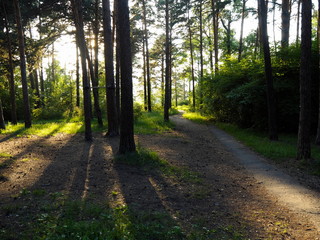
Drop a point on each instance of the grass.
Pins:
(147, 123)
(152, 123)
(149, 160)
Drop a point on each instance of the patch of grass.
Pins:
(152, 123)
(150, 160)
(5, 155)
(49, 128)
(197, 117)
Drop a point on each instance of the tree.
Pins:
(285, 24)
(2, 123)
(78, 20)
(272, 118)
(147, 58)
(127, 143)
(11, 70)
(243, 13)
(112, 114)
(318, 39)
(167, 94)
(23, 68)
(304, 147)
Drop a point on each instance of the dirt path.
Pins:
(285, 189)
(224, 199)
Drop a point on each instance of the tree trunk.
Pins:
(318, 39)
(95, 90)
(215, 21)
(127, 143)
(2, 123)
(167, 75)
(272, 118)
(285, 24)
(147, 54)
(23, 68)
(201, 54)
(78, 19)
(112, 114)
(304, 147)
(162, 80)
(298, 22)
(192, 64)
(241, 29)
(117, 60)
(145, 92)
(11, 73)
(77, 78)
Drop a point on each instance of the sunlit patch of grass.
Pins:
(5, 155)
(197, 117)
(49, 128)
(152, 123)
(149, 160)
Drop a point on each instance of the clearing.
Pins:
(212, 187)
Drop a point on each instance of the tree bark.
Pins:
(304, 146)
(112, 114)
(272, 118)
(2, 123)
(285, 24)
(298, 22)
(145, 92)
(95, 90)
(78, 19)
(167, 75)
(23, 68)
(147, 54)
(77, 78)
(13, 103)
(127, 143)
(318, 39)
(201, 54)
(215, 22)
(241, 29)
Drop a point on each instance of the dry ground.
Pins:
(223, 194)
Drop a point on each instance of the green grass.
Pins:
(48, 128)
(149, 160)
(197, 117)
(152, 123)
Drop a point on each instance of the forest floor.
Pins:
(215, 193)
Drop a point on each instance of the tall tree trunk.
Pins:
(201, 53)
(115, 33)
(298, 22)
(95, 90)
(78, 19)
(304, 147)
(145, 92)
(167, 75)
(215, 22)
(272, 117)
(162, 80)
(192, 63)
(243, 13)
(11, 72)
(318, 39)
(127, 143)
(96, 29)
(147, 54)
(23, 68)
(77, 78)
(2, 123)
(285, 24)
(112, 114)
(42, 93)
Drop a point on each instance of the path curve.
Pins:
(285, 189)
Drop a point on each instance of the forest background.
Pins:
(183, 53)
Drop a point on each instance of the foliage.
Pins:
(237, 93)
